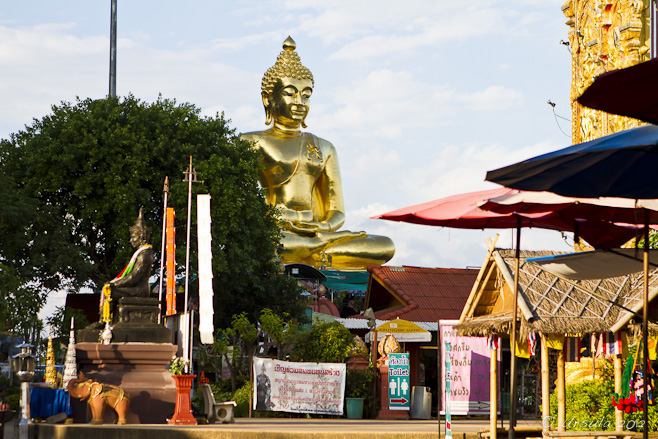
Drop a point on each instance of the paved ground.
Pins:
(274, 428)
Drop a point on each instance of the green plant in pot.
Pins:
(358, 383)
(358, 386)
(178, 365)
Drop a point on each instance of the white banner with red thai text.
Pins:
(285, 386)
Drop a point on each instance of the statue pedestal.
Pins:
(385, 412)
(136, 320)
(141, 369)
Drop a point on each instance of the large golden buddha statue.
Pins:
(301, 176)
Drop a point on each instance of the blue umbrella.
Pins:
(620, 165)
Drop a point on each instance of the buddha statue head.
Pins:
(140, 232)
(286, 89)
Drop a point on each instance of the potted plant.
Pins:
(183, 414)
(358, 388)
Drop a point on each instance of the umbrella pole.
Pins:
(515, 294)
(645, 328)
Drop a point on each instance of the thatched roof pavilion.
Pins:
(548, 303)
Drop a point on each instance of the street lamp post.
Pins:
(369, 314)
(24, 364)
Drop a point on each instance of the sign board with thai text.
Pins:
(403, 331)
(284, 386)
(469, 359)
(399, 387)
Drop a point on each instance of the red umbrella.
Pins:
(628, 92)
(620, 211)
(462, 211)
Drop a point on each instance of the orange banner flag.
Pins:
(171, 262)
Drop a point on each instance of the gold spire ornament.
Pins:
(301, 178)
(51, 373)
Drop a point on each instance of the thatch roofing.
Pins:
(548, 304)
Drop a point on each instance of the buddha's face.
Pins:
(290, 101)
(136, 239)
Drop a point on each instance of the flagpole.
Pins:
(515, 300)
(162, 251)
(190, 177)
(113, 49)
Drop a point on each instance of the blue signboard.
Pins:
(399, 387)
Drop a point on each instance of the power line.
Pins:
(552, 104)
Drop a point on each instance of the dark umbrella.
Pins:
(619, 165)
(628, 92)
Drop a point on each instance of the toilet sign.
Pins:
(399, 388)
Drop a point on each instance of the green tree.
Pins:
(76, 179)
(282, 331)
(20, 297)
(326, 342)
(234, 345)
(60, 324)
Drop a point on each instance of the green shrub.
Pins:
(589, 408)
(241, 398)
(14, 401)
(324, 343)
(358, 384)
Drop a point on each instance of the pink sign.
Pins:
(469, 371)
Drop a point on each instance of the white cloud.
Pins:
(43, 65)
(400, 91)
(492, 98)
(385, 103)
(241, 43)
(385, 27)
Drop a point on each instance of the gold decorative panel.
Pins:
(604, 35)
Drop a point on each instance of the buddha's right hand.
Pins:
(300, 221)
(306, 228)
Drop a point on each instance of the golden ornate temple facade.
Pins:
(604, 35)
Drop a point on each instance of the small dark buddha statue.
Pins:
(133, 281)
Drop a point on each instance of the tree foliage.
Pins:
(326, 342)
(589, 407)
(282, 331)
(73, 183)
(234, 345)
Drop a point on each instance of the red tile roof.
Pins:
(419, 294)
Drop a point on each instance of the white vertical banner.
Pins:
(206, 309)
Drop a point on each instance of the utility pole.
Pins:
(113, 49)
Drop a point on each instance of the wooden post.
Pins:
(561, 406)
(493, 394)
(619, 415)
(512, 343)
(251, 383)
(545, 387)
(645, 329)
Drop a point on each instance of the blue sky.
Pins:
(420, 98)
